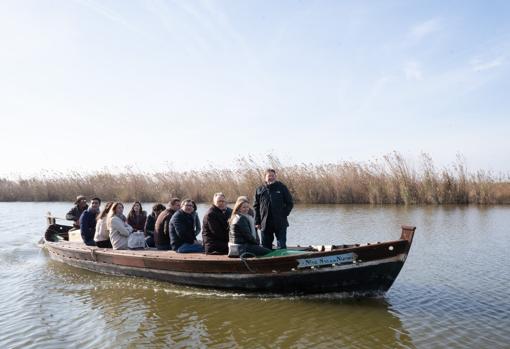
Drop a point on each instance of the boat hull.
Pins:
(371, 278)
(365, 269)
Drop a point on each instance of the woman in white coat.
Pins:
(102, 236)
(118, 228)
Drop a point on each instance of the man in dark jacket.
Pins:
(161, 229)
(215, 226)
(272, 205)
(88, 222)
(182, 230)
(74, 214)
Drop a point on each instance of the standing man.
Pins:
(215, 226)
(74, 214)
(272, 205)
(88, 222)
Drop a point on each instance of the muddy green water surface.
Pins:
(453, 292)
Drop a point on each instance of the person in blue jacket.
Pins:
(88, 222)
(182, 230)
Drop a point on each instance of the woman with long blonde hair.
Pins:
(243, 237)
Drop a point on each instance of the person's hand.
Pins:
(257, 226)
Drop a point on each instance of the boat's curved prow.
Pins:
(408, 233)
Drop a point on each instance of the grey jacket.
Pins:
(119, 233)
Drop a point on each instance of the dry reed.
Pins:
(390, 180)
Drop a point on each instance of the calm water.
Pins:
(453, 292)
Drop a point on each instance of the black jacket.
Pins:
(272, 205)
(215, 230)
(240, 232)
(74, 214)
(182, 229)
(150, 224)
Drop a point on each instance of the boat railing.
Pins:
(50, 219)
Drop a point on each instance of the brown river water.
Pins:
(453, 292)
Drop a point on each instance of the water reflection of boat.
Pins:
(365, 269)
(169, 316)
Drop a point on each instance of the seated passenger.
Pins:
(119, 229)
(137, 216)
(243, 237)
(102, 236)
(150, 224)
(88, 222)
(74, 214)
(215, 226)
(182, 232)
(161, 229)
(251, 212)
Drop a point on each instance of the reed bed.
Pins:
(390, 180)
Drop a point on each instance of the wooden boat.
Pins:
(367, 269)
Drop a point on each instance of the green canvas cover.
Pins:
(282, 252)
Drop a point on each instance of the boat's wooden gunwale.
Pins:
(151, 253)
(169, 260)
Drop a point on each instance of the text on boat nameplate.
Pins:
(335, 259)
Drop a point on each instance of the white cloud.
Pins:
(412, 71)
(106, 12)
(480, 65)
(423, 29)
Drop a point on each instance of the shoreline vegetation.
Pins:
(390, 180)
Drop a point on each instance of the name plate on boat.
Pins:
(335, 259)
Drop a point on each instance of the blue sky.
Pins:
(86, 85)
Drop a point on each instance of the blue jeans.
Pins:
(190, 248)
(88, 242)
(281, 237)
